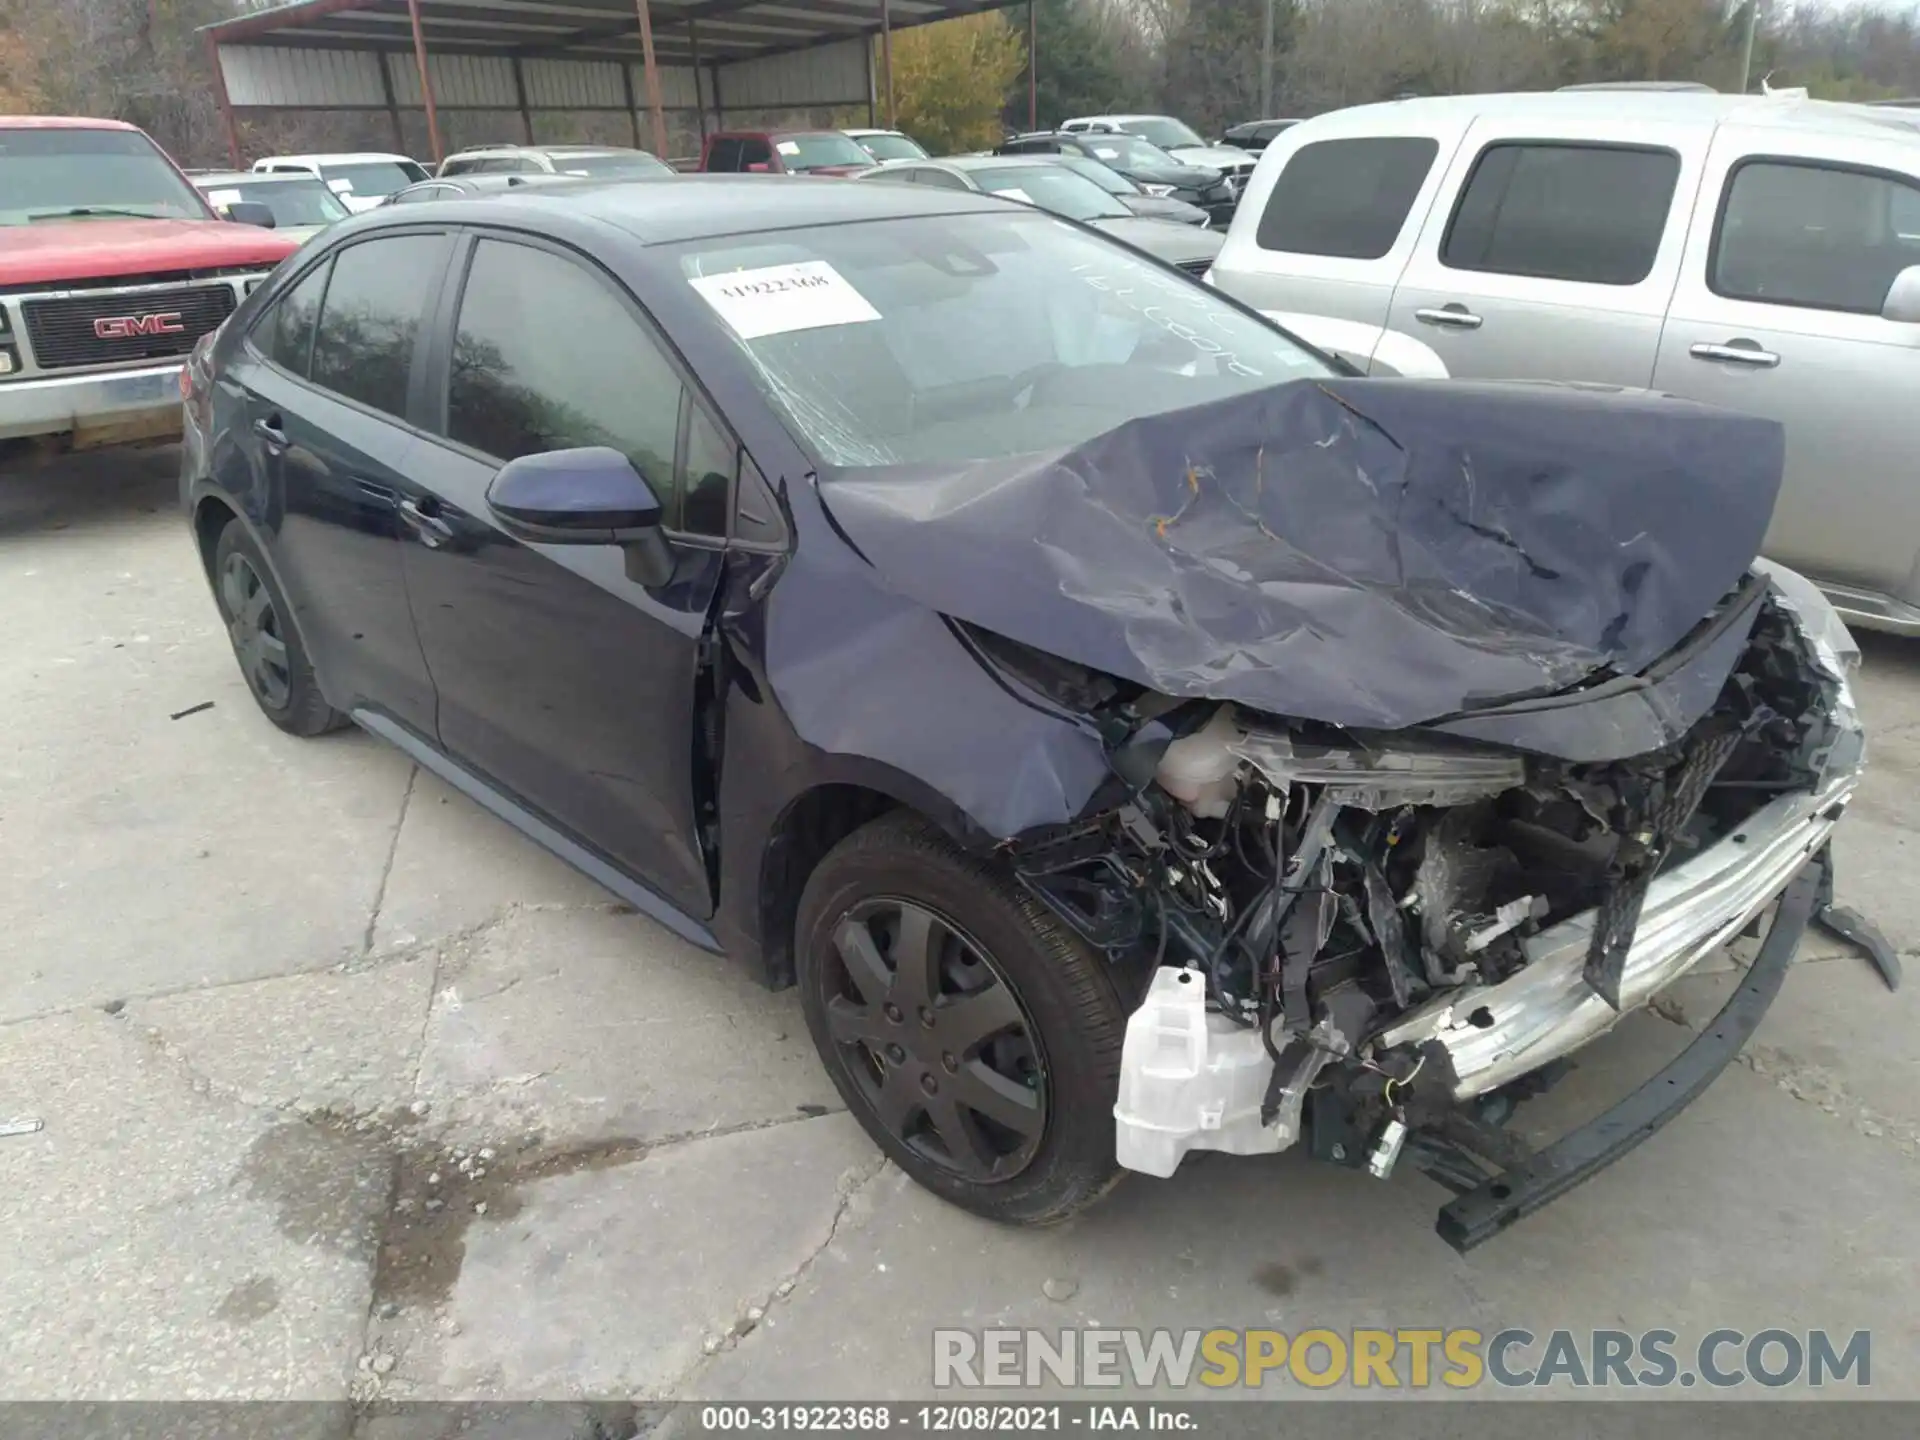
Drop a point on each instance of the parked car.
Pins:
(1253, 136)
(459, 187)
(361, 179)
(1742, 251)
(600, 162)
(1050, 666)
(111, 266)
(1176, 137)
(1129, 194)
(1039, 181)
(783, 152)
(301, 205)
(1148, 166)
(884, 145)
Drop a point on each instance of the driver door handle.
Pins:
(432, 530)
(1740, 352)
(1449, 317)
(268, 429)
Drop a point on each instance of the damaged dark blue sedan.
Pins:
(1133, 733)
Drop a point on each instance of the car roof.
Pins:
(1678, 108)
(204, 178)
(859, 130)
(988, 162)
(61, 122)
(663, 210)
(344, 157)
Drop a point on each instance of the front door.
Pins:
(1558, 257)
(1778, 314)
(563, 682)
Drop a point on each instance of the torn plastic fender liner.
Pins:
(1371, 553)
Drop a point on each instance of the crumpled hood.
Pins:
(1370, 552)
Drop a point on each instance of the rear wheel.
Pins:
(973, 1036)
(272, 661)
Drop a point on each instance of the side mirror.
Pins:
(1903, 297)
(250, 212)
(588, 496)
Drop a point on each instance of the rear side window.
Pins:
(458, 166)
(1588, 213)
(363, 348)
(1346, 198)
(287, 335)
(1819, 236)
(725, 155)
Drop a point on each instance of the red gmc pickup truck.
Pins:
(111, 266)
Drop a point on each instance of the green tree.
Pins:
(1079, 70)
(1214, 60)
(950, 80)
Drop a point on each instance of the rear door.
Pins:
(568, 685)
(1326, 225)
(327, 375)
(1778, 313)
(1556, 251)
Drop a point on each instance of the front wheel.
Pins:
(973, 1036)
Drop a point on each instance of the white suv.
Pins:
(362, 179)
(1758, 253)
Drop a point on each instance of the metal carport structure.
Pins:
(703, 56)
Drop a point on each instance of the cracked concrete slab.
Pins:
(1702, 1226)
(611, 1281)
(454, 867)
(592, 1024)
(340, 1042)
(163, 1243)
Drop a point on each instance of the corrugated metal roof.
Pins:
(720, 31)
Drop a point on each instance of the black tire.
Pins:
(987, 933)
(266, 644)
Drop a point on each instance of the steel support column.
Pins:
(426, 82)
(645, 12)
(520, 94)
(1033, 66)
(886, 56)
(699, 101)
(226, 105)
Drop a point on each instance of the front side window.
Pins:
(617, 164)
(371, 318)
(1346, 198)
(1819, 236)
(80, 174)
(547, 357)
(1587, 213)
(971, 337)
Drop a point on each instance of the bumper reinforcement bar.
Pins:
(1481, 1213)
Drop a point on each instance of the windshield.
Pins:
(1127, 152)
(971, 337)
(888, 146)
(57, 174)
(1108, 179)
(1162, 130)
(810, 152)
(625, 162)
(293, 202)
(1051, 187)
(374, 177)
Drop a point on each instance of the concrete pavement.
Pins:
(350, 1092)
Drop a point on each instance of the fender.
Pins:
(1371, 349)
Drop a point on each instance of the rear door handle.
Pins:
(1739, 352)
(1450, 317)
(268, 429)
(432, 530)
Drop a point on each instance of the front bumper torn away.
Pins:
(1478, 1214)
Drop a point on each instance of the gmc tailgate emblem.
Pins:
(121, 327)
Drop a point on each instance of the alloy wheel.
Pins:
(935, 1040)
(254, 627)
